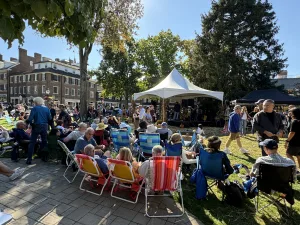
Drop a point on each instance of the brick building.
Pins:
(41, 76)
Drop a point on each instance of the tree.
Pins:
(157, 56)
(81, 22)
(118, 73)
(237, 51)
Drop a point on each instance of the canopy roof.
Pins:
(175, 85)
(274, 94)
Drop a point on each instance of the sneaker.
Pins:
(18, 172)
(244, 151)
(226, 150)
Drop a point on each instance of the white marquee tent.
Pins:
(175, 85)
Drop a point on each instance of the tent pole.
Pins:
(163, 110)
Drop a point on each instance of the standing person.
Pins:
(289, 117)
(147, 115)
(1, 110)
(234, 128)
(64, 116)
(136, 119)
(141, 113)
(153, 114)
(176, 111)
(38, 119)
(244, 120)
(292, 143)
(53, 115)
(268, 124)
(259, 104)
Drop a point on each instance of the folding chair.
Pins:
(188, 143)
(164, 136)
(147, 142)
(275, 179)
(173, 150)
(89, 167)
(99, 138)
(166, 177)
(123, 175)
(120, 138)
(70, 161)
(212, 167)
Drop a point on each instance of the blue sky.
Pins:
(183, 18)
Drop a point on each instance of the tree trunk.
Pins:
(84, 93)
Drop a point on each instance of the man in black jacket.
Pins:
(268, 123)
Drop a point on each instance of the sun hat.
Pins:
(101, 126)
(151, 128)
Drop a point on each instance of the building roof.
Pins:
(4, 65)
(274, 94)
(289, 83)
(60, 63)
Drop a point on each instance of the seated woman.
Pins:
(142, 128)
(113, 122)
(100, 158)
(126, 155)
(174, 145)
(213, 147)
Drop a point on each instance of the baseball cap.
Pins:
(269, 143)
(260, 101)
(164, 124)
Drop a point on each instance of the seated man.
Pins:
(100, 159)
(20, 135)
(273, 158)
(157, 150)
(164, 129)
(85, 140)
(95, 123)
(74, 135)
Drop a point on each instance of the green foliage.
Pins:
(158, 55)
(118, 72)
(237, 51)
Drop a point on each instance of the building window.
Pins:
(78, 82)
(70, 80)
(43, 77)
(55, 90)
(28, 89)
(66, 70)
(31, 63)
(35, 89)
(39, 66)
(11, 79)
(67, 91)
(35, 77)
(15, 91)
(21, 79)
(54, 77)
(20, 90)
(4, 76)
(66, 80)
(73, 92)
(78, 92)
(43, 89)
(24, 78)
(24, 90)
(4, 87)
(46, 66)
(91, 94)
(73, 81)
(11, 90)
(16, 77)
(91, 85)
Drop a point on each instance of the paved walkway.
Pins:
(43, 196)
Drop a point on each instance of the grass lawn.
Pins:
(213, 211)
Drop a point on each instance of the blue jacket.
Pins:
(234, 122)
(39, 115)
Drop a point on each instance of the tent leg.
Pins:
(163, 110)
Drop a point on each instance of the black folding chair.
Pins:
(275, 179)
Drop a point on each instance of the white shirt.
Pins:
(244, 117)
(73, 136)
(142, 112)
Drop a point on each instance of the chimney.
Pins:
(1, 57)
(37, 57)
(22, 54)
(57, 59)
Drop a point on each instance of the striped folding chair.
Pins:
(120, 138)
(147, 142)
(89, 167)
(123, 175)
(166, 173)
(70, 161)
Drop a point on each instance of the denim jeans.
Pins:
(38, 129)
(176, 115)
(243, 126)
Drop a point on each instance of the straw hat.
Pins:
(151, 128)
(101, 126)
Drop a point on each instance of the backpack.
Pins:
(234, 193)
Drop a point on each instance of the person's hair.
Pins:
(89, 150)
(269, 101)
(19, 123)
(291, 106)
(175, 138)
(81, 125)
(214, 143)
(38, 101)
(143, 125)
(256, 109)
(200, 126)
(125, 154)
(89, 129)
(237, 107)
(295, 112)
(59, 122)
(157, 149)
(244, 109)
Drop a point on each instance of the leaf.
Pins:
(69, 8)
(39, 7)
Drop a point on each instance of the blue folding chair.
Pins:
(173, 150)
(147, 142)
(120, 139)
(188, 143)
(212, 167)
